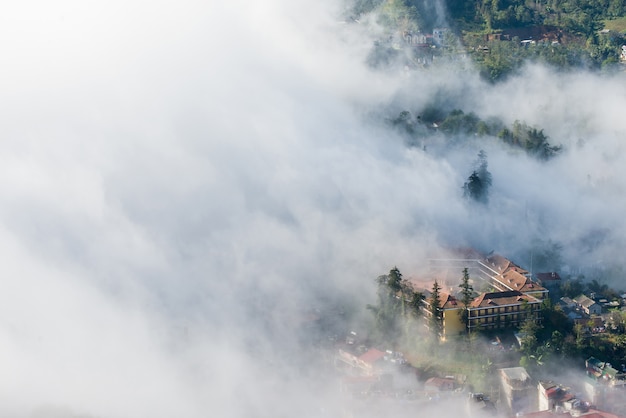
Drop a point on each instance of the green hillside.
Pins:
(501, 35)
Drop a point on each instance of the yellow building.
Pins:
(451, 310)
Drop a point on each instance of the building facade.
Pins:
(502, 310)
(518, 393)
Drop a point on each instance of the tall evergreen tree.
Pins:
(436, 318)
(467, 293)
(479, 182)
(415, 305)
(392, 292)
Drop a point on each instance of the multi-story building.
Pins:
(450, 308)
(515, 297)
(502, 310)
(518, 392)
(505, 275)
(499, 272)
(588, 305)
(604, 372)
(552, 396)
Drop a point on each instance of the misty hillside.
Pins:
(501, 36)
(188, 186)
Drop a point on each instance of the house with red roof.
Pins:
(369, 363)
(450, 308)
(505, 275)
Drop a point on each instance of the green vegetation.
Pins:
(436, 318)
(554, 340)
(615, 25)
(502, 35)
(456, 123)
(467, 295)
(398, 308)
(478, 183)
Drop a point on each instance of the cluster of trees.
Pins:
(577, 286)
(557, 338)
(399, 305)
(580, 16)
(457, 123)
(401, 14)
(400, 309)
(498, 59)
(478, 183)
(533, 140)
(575, 24)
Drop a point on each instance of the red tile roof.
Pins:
(518, 281)
(371, 356)
(511, 297)
(592, 413)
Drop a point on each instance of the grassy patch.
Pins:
(617, 25)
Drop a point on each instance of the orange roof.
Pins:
(517, 281)
(511, 297)
(371, 356)
(502, 264)
(592, 413)
(447, 301)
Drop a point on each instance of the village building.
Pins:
(440, 384)
(516, 297)
(604, 372)
(566, 303)
(517, 393)
(449, 306)
(552, 396)
(590, 413)
(551, 281)
(494, 269)
(588, 305)
(502, 310)
(505, 275)
(368, 363)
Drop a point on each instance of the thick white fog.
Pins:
(181, 181)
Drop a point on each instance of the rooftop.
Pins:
(591, 413)
(372, 356)
(548, 277)
(511, 297)
(516, 374)
(516, 280)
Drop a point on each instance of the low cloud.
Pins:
(180, 182)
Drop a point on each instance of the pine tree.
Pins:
(391, 306)
(415, 305)
(478, 183)
(467, 293)
(436, 317)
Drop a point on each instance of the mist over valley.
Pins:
(199, 199)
